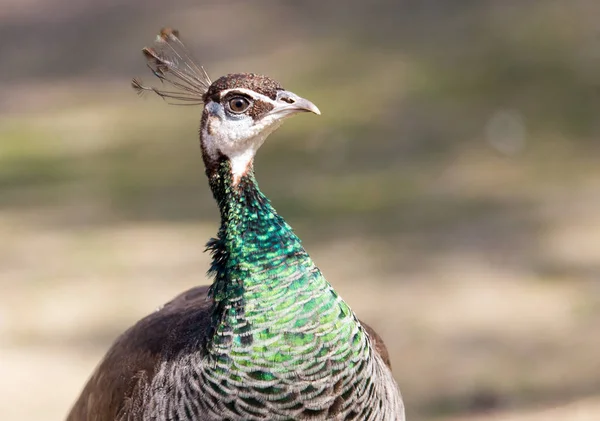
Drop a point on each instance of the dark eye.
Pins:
(238, 104)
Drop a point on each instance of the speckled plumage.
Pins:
(270, 340)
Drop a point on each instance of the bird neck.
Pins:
(253, 240)
(266, 288)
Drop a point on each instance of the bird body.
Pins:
(270, 339)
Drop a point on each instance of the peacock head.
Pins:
(240, 110)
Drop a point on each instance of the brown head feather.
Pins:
(258, 83)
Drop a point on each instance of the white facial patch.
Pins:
(237, 137)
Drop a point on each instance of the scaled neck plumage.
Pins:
(253, 255)
(267, 291)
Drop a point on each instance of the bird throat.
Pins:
(269, 297)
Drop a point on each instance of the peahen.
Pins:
(270, 339)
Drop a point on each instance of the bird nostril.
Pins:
(288, 100)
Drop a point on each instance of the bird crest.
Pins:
(184, 81)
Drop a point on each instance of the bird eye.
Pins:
(238, 104)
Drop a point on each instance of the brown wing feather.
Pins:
(131, 361)
(378, 344)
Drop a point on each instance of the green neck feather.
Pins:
(270, 298)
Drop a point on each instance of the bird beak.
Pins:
(288, 103)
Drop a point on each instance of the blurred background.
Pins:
(450, 190)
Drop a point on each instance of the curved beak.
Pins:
(288, 103)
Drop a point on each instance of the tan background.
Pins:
(450, 190)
